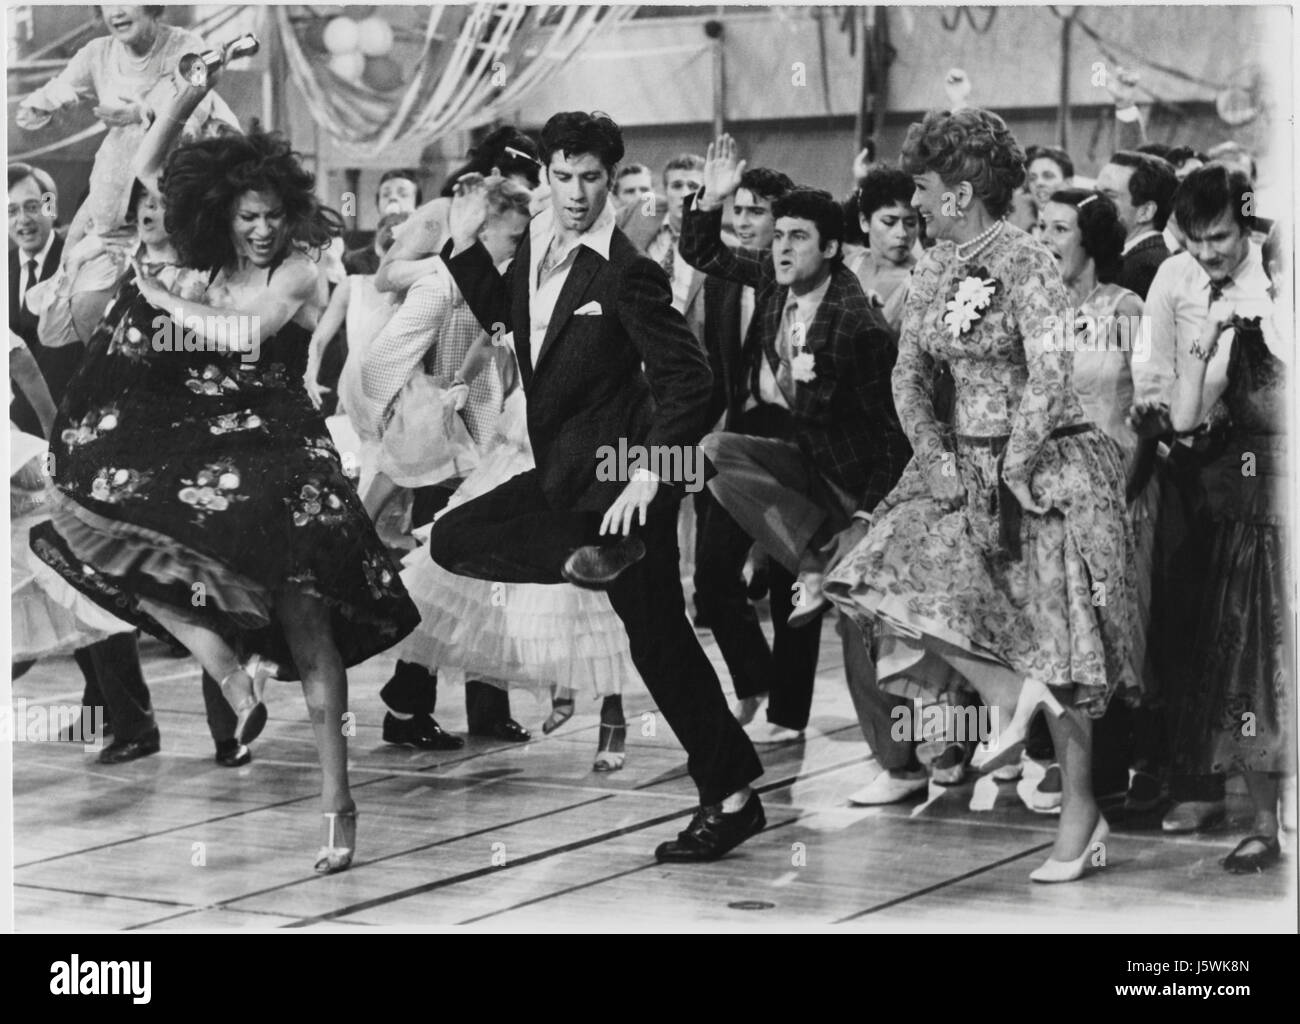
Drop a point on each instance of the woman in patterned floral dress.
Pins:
(204, 500)
(1005, 550)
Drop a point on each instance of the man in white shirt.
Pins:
(608, 365)
(1221, 263)
(682, 177)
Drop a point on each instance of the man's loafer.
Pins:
(233, 754)
(507, 729)
(421, 732)
(121, 751)
(712, 834)
(596, 566)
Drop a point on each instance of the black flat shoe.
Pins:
(121, 751)
(507, 729)
(233, 754)
(421, 732)
(1247, 863)
(712, 834)
(596, 566)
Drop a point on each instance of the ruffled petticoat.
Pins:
(513, 634)
(1062, 614)
(48, 616)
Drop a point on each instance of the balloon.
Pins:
(348, 66)
(375, 37)
(383, 74)
(341, 36)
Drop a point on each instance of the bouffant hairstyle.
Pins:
(1100, 231)
(819, 207)
(204, 180)
(574, 132)
(507, 149)
(1208, 193)
(968, 145)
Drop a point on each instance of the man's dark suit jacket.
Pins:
(844, 419)
(726, 349)
(1140, 265)
(57, 364)
(633, 371)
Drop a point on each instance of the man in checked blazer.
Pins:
(607, 364)
(826, 356)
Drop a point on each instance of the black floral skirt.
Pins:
(208, 483)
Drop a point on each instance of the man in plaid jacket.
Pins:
(827, 356)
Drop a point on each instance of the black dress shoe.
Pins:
(507, 729)
(421, 732)
(233, 754)
(711, 834)
(120, 751)
(596, 566)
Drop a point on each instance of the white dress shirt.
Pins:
(544, 292)
(1176, 307)
(804, 310)
(23, 268)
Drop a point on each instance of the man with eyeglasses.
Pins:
(34, 252)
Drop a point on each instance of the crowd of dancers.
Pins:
(1025, 433)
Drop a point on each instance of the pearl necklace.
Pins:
(980, 242)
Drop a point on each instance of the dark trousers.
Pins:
(1181, 568)
(114, 679)
(783, 671)
(512, 535)
(413, 689)
(221, 716)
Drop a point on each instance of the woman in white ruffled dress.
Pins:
(556, 638)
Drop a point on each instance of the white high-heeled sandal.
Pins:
(332, 858)
(1000, 749)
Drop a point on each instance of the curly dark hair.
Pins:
(967, 145)
(1100, 232)
(766, 183)
(203, 180)
(819, 207)
(884, 186)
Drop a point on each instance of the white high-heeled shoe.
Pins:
(1004, 747)
(261, 669)
(1070, 870)
(333, 858)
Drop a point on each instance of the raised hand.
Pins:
(1122, 86)
(469, 209)
(129, 111)
(722, 170)
(957, 85)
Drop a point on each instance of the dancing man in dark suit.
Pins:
(826, 357)
(607, 365)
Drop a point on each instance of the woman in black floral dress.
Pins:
(199, 494)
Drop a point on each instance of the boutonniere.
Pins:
(970, 300)
(803, 367)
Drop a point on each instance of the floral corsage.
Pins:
(970, 300)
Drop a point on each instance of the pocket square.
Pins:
(590, 309)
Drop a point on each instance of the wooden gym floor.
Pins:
(505, 837)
